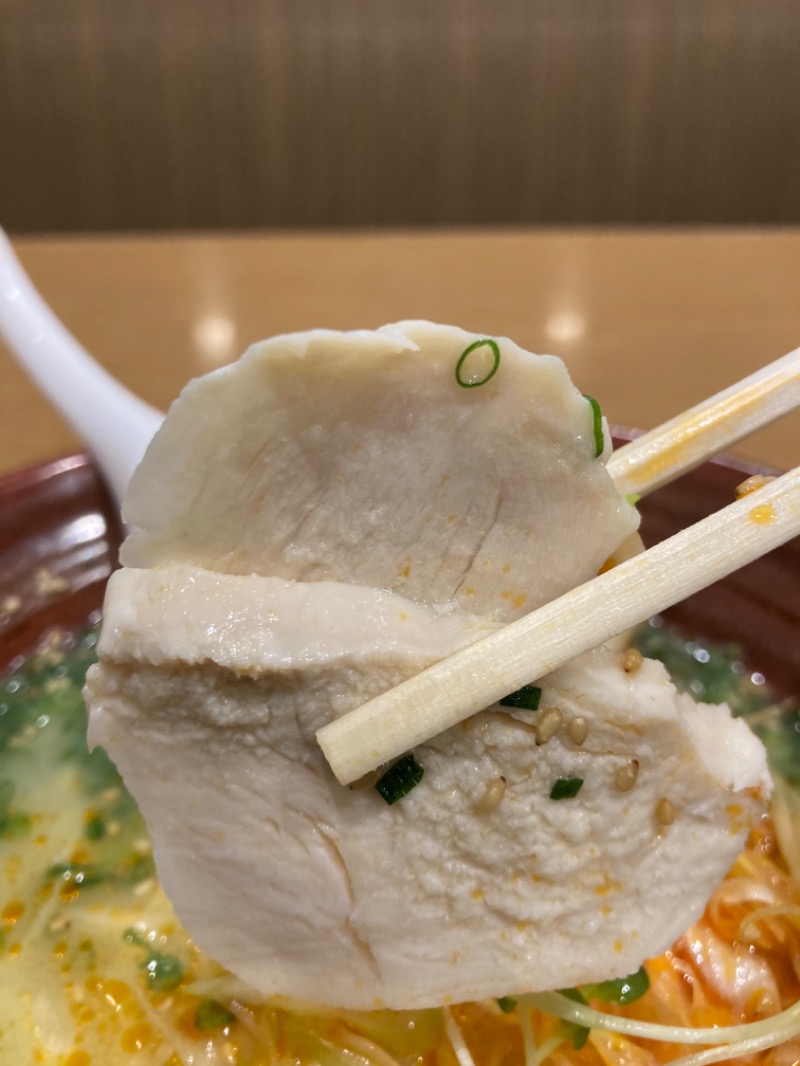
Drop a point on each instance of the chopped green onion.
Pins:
(130, 936)
(399, 779)
(566, 788)
(576, 1034)
(622, 990)
(526, 698)
(15, 824)
(95, 828)
(212, 1015)
(484, 342)
(80, 874)
(506, 1004)
(164, 972)
(633, 498)
(597, 426)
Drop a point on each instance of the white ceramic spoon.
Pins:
(116, 425)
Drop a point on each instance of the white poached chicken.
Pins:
(317, 523)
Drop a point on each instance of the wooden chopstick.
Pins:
(689, 439)
(484, 672)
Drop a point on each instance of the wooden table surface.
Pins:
(647, 321)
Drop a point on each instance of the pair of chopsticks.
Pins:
(481, 674)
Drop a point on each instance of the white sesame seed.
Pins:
(548, 724)
(625, 777)
(665, 812)
(577, 729)
(492, 796)
(630, 660)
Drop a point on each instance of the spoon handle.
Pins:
(116, 425)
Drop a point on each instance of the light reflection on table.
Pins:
(649, 322)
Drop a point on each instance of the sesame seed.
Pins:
(665, 812)
(752, 484)
(630, 660)
(625, 777)
(492, 796)
(577, 729)
(548, 724)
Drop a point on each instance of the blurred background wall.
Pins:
(150, 114)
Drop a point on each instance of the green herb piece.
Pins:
(526, 698)
(576, 1034)
(212, 1015)
(95, 828)
(632, 498)
(164, 972)
(622, 991)
(484, 342)
(506, 1004)
(400, 778)
(130, 936)
(566, 788)
(13, 823)
(597, 426)
(80, 874)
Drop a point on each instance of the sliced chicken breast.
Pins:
(310, 527)
(477, 883)
(358, 457)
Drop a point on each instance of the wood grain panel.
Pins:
(117, 114)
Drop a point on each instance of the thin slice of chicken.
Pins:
(357, 457)
(317, 523)
(477, 883)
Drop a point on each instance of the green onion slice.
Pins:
(576, 1034)
(566, 788)
(506, 1004)
(484, 342)
(212, 1015)
(597, 426)
(623, 990)
(526, 698)
(400, 778)
(164, 972)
